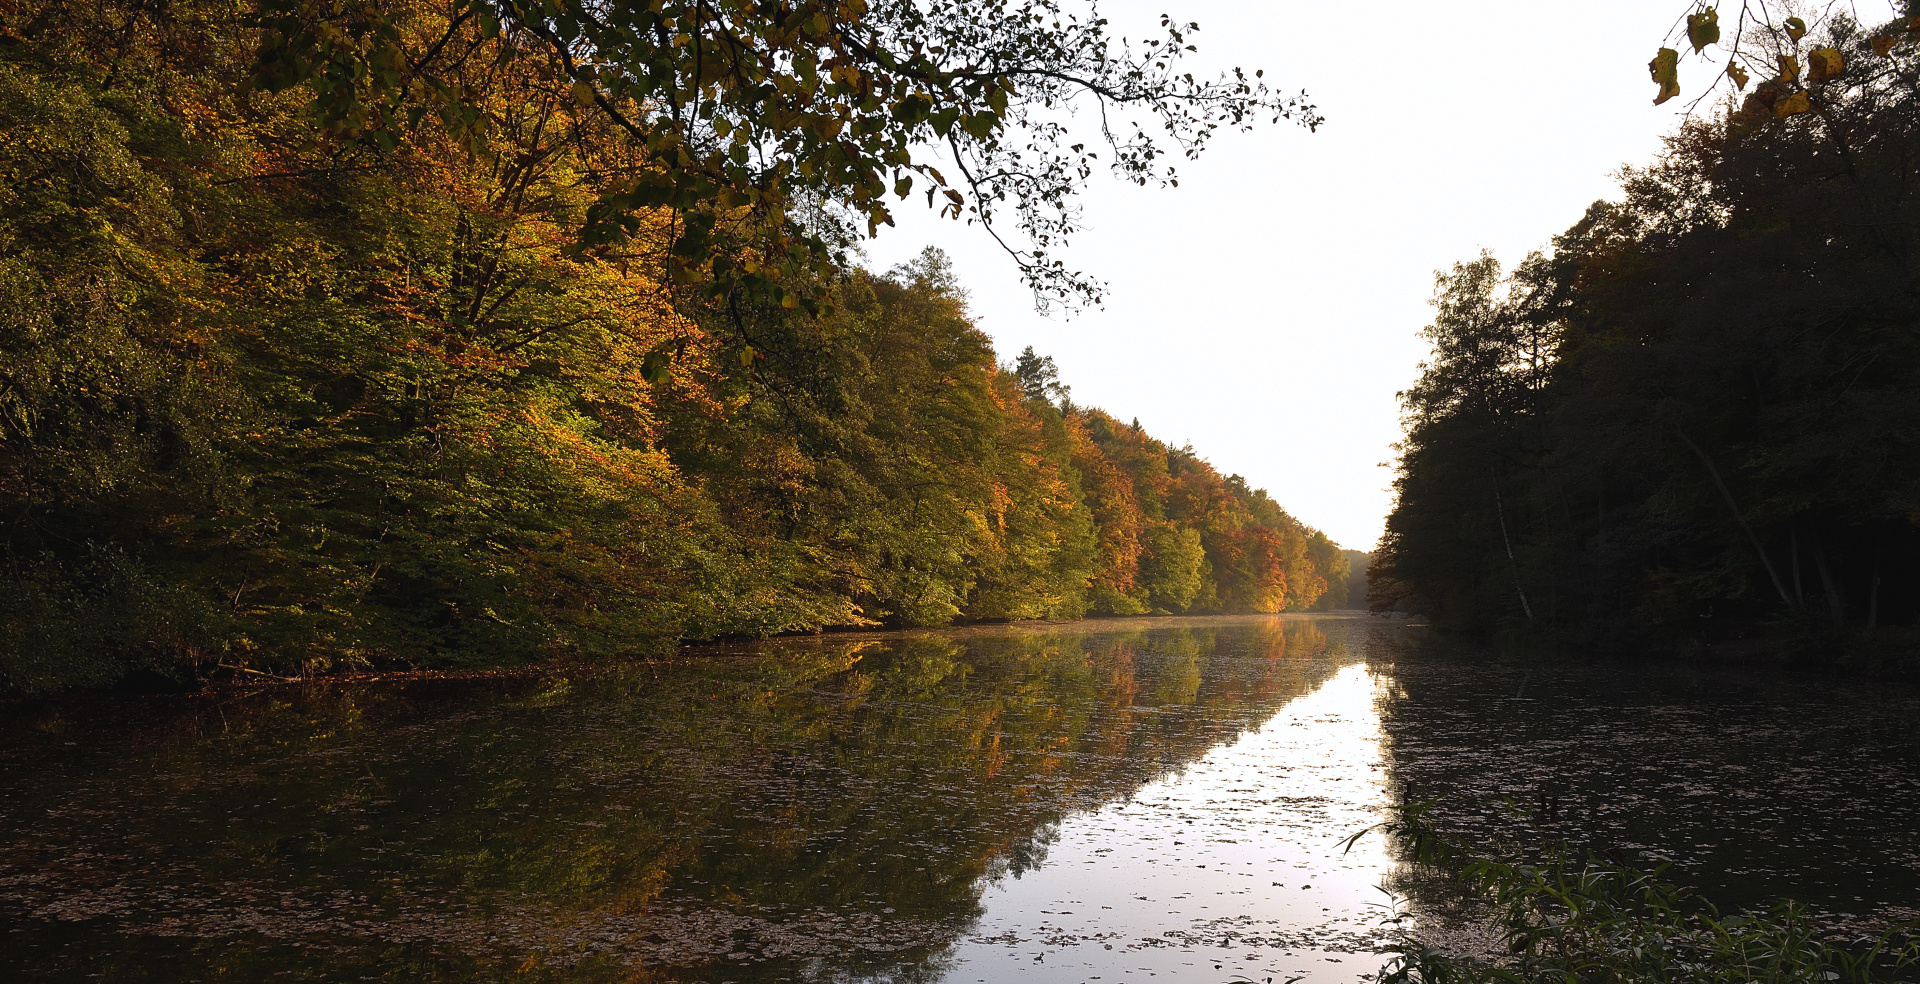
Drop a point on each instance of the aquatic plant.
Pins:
(1587, 918)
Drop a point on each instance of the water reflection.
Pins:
(1755, 784)
(1232, 865)
(946, 806)
(1159, 800)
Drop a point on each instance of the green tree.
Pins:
(1714, 448)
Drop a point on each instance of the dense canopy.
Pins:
(278, 397)
(1694, 419)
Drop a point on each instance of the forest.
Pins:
(1690, 423)
(341, 338)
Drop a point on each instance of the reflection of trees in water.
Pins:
(1755, 784)
(1027, 853)
(832, 776)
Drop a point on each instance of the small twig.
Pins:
(270, 676)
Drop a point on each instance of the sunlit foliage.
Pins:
(276, 399)
(740, 114)
(1773, 41)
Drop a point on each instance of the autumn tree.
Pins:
(285, 390)
(773, 131)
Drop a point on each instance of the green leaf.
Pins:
(1703, 28)
(654, 368)
(1796, 29)
(1665, 68)
(911, 109)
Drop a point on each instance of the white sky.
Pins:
(1266, 310)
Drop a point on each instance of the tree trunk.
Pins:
(1799, 598)
(1500, 510)
(1727, 494)
(1836, 606)
(1873, 594)
(1600, 538)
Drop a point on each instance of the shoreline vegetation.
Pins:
(163, 686)
(302, 375)
(1689, 425)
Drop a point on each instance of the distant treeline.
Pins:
(1696, 420)
(273, 402)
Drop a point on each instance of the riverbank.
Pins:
(229, 679)
(1805, 646)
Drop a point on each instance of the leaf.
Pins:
(654, 368)
(746, 351)
(1883, 44)
(1792, 105)
(1763, 98)
(1703, 28)
(1665, 68)
(1824, 64)
(1796, 29)
(1737, 74)
(583, 94)
(912, 109)
(1789, 68)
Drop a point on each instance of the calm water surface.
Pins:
(1105, 801)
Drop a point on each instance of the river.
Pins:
(1107, 801)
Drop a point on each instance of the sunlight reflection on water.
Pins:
(1093, 802)
(1231, 866)
(1119, 802)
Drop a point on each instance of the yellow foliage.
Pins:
(1665, 69)
(1824, 64)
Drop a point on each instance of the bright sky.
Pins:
(1267, 309)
